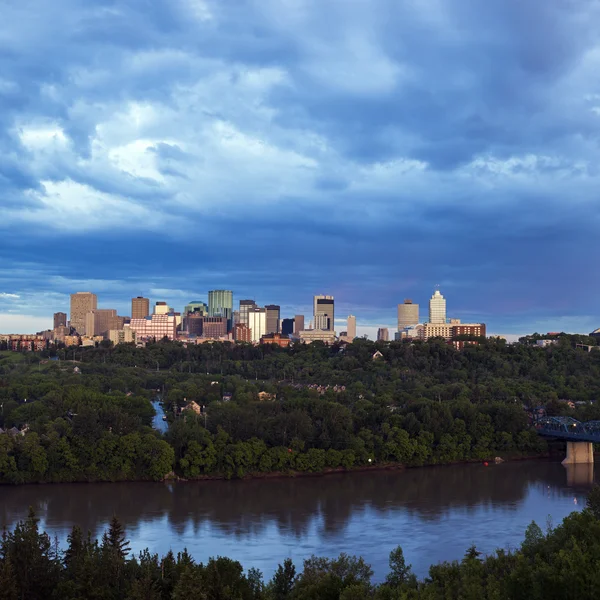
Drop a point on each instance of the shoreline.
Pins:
(391, 466)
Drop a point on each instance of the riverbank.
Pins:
(386, 466)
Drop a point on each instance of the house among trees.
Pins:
(193, 407)
(377, 355)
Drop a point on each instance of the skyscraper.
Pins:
(383, 334)
(100, 321)
(437, 308)
(140, 307)
(351, 327)
(298, 324)
(408, 314)
(196, 306)
(273, 313)
(60, 319)
(257, 323)
(81, 304)
(245, 306)
(324, 313)
(162, 308)
(287, 326)
(220, 304)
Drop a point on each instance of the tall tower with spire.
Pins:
(437, 308)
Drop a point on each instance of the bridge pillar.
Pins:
(579, 452)
(580, 474)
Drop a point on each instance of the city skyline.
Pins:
(159, 150)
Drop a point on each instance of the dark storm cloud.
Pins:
(282, 149)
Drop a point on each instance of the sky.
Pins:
(369, 149)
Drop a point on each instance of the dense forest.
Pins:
(85, 414)
(561, 563)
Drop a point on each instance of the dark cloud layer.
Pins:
(284, 148)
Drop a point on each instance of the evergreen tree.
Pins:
(190, 585)
(400, 573)
(283, 581)
(8, 581)
(115, 538)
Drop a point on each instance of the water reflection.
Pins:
(435, 513)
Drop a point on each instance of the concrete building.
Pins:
(100, 321)
(242, 333)
(383, 334)
(214, 327)
(122, 336)
(196, 306)
(412, 332)
(162, 308)
(257, 323)
(60, 320)
(408, 314)
(140, 307)
(455, 328)
(287, 327)
(220, 304)
(275, 338)
(157, 326)
(324, 313)
(273, 313)
(313, 335)
(245, 306)
(81, 304)
(351, 328)
(298, 324)
(437, 308)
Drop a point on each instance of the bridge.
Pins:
(580, 437)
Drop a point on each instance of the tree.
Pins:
(115, 539)
(593, 501)
(8, 581)
(190, 585)
(283, 581)
(400, 573)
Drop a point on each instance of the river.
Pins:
(434, 513)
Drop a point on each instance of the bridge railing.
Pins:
(568, 428)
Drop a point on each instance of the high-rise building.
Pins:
(81, 304)
(273, 313)
(196, 306)
(287, 326)
(140, 307)
(60, 320)
(257, 323)
(214, 327)
(351, 327)
(162, 308)
(437, 308)
(220, 304)
(323, 312)
(383, 334)
(100, 321)
(298, 324)
(245, 306)
(156, 326)
(408, 314)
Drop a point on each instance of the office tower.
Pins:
(408, 314)
(323, 312)
(220, 304)
(383, 334)
(81, 304)
(162, 308)
(156, 326)
(100, 321)
(287, 326)
(242, 333)
(214, 327)
(257, 323)
(298, 324)
(245, 306)
(196, 306)
(437, 308)
(273, 312)
(351, 327)
(140, 307)
(60, 320)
